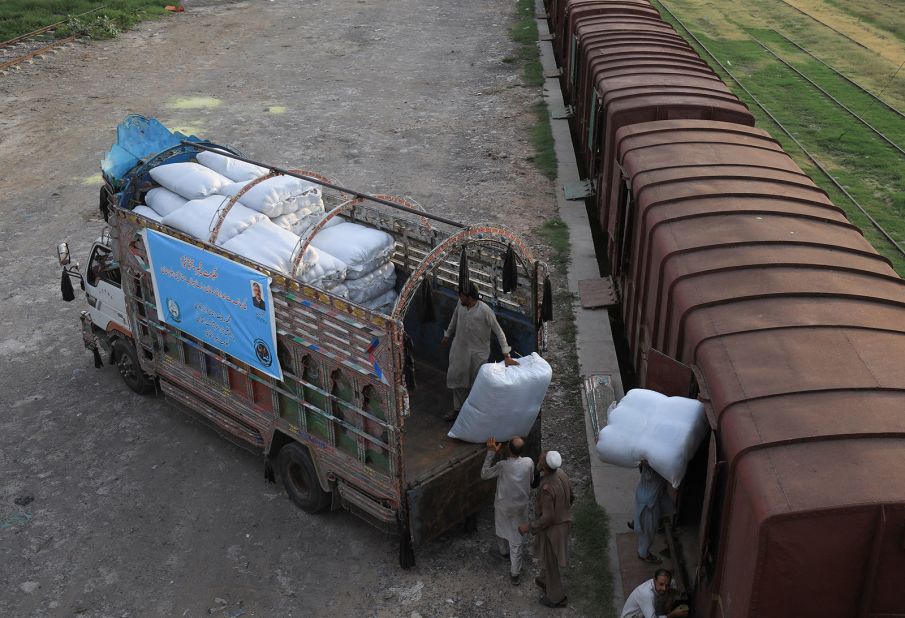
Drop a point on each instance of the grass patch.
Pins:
(542, 139)
(589, 574)
(524, 33)
(18, 17)
(556, 233)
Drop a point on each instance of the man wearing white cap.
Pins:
(554, 499)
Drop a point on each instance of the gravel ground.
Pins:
(136, 508)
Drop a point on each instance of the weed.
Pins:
(589, 573)
(556, 233)
(105, 19)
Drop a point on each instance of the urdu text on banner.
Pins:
(223, 303)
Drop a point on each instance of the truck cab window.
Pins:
(103, 267)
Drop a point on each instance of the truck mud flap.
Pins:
(445, 500)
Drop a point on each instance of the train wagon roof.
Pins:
(743, 268)
(576, 10)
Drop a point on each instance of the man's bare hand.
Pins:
(444, 341)
(679, 612)
(510, 362)
(493, 445)
(524, 528)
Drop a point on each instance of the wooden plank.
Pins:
(594, 293)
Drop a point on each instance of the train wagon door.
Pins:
(666, 375)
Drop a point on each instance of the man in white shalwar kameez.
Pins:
(510, 507)
(470, 328)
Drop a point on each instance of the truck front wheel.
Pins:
(127, 363)
(300, 478)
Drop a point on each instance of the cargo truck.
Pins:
(348, 413)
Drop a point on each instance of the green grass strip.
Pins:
(590, 577)
(18, 17)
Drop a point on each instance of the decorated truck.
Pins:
(344, 400)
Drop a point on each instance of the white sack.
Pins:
(362, 248)
(337, 288)
(145, 211)
(383, 303)
(666, 431)
(320, 268)
(275, 196)
(504, 401)
(236, 171)
(373, 284)
(196, 217)
(191, 180)
(265, 243)
(164, 201)
(287, 221)
(306, 221)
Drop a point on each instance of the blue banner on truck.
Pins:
(222, 303)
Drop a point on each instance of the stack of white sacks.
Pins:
(265, 225)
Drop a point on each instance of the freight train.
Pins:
(740, 283)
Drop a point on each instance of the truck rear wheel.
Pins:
(127, 363)
(300, 478)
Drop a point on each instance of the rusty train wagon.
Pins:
(742, 284)
(739, 273)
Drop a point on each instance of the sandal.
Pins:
(548, 603)
(650, 559)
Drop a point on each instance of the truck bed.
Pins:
(428, 450)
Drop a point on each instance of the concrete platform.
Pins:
(614, 487)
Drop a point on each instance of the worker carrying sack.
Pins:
(504, 401)
(645, 424)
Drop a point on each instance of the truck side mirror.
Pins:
(63, 253)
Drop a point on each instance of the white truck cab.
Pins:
(103, 289)
(105, 326)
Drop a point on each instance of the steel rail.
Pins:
(813, 160)
(826, 25)
(35, 33)
(322, 182)
(840, 74)
(829, 96)
(36, 52)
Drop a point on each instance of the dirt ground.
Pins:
(137, 509)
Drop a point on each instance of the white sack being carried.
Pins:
(191, 180)
(236, 171)
(197, 216)
(145, 211)
(504, 401)
(372, 285)
(362, 248)
(666, 431)
(164, 201)
(275, 196)
(265, 243)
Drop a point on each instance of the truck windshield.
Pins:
(103, 267)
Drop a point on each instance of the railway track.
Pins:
(35, 44)
(839, 103)
(840, 74)
(874, 223)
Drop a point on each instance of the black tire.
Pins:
(300, 478)
(127, 363)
